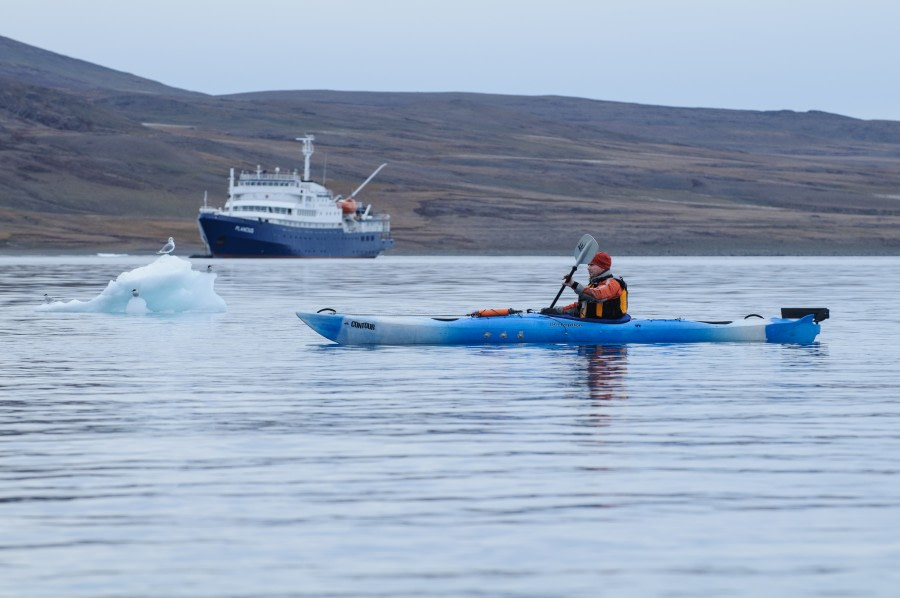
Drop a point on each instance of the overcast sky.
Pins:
(834, 55)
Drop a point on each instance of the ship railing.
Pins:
(251, 175)
(376, 223)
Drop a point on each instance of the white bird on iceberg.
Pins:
(168, 247)
(134, 293)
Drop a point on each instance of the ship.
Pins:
(286, 214)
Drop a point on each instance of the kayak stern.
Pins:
(793, 332)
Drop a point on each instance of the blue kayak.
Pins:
(796, 326)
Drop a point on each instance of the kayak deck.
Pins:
(538, 328)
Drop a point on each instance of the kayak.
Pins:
(795, 326)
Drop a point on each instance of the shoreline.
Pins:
(666, 252)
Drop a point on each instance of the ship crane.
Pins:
(348, 206)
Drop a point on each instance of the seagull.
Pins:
(209, 269)
(168, 247)
(134, 293)
(48, 298)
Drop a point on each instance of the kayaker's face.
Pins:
(593, 270)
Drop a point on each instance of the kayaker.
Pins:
(605, 297)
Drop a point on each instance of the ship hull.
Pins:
(227, 236)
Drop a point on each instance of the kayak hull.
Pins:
(537, 328)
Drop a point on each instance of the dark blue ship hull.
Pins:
(226, 236)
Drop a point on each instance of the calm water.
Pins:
(239, 454)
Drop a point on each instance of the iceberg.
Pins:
(168, 285)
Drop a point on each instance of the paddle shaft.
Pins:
(572, 273)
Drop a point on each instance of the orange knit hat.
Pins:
(602, 260)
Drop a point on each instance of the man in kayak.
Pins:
(605, 297)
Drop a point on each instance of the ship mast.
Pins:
(307, 152)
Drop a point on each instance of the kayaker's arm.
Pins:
(608, 290)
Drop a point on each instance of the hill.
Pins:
(33, 66)
(93, 159)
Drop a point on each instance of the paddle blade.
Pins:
(585, 250)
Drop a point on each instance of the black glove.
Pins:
(551, 310)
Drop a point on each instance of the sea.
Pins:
(239, 454)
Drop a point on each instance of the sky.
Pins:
(838, 56)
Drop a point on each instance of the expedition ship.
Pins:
(277, 214)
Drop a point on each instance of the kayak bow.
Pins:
(796, 326)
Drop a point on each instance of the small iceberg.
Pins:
(168, 285)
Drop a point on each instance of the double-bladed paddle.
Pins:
(584, 251)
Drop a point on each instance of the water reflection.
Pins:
(606, 366)
(804, 356)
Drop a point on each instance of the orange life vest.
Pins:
(611, 309)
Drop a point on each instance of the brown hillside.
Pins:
(88, 167)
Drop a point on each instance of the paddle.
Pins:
(584, 251)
